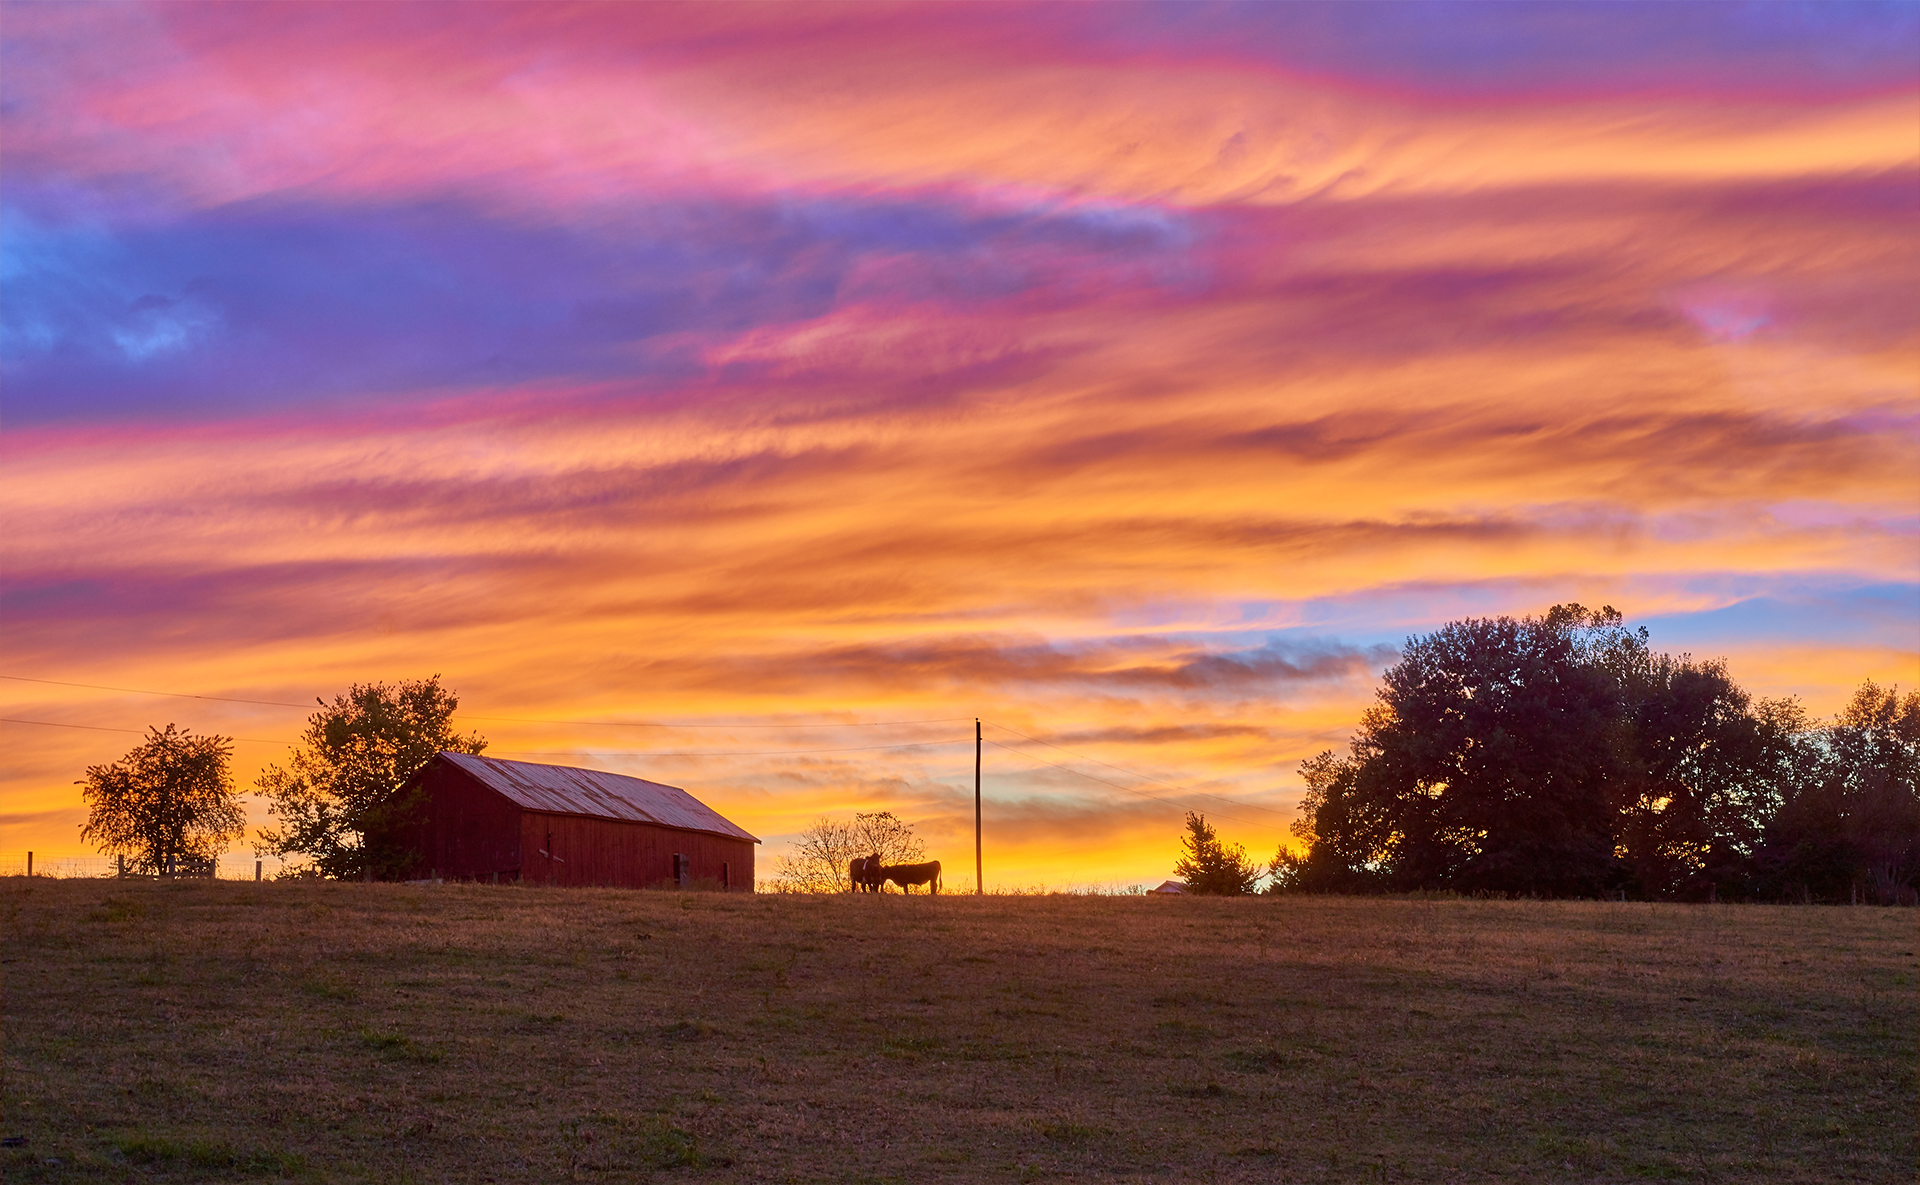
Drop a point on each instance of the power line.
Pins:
(658, 724)
(134, 731)
(542, 752)
(655, 724)
(759, 753)
(1135, 773)
(225, 699)
(1115, 785)
(274, 703)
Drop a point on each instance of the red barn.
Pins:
(481, 818)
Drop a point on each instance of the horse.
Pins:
(865, 873)
(908, 875)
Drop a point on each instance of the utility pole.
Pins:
(979, 886)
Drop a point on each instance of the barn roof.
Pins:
(567, 790)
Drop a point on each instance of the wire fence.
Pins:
(229, 867)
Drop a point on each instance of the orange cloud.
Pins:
(1138, 400)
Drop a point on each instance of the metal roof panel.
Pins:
(568, 790)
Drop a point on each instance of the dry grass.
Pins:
(322, 1032)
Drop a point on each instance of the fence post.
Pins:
(29, 863)
(120, 866)
(256, 872)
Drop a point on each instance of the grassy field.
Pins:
(345, 1032)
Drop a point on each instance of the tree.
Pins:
(1551, 756)
(1849, 825)
(1348, 856)
(1485, 765)
(169, 801)
(357, 752)
(1703, 770)
(1209, 866)
(823, 852)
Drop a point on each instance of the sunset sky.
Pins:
(747, 397)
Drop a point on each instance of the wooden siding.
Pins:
(470, 831)
(467, 831)
(569, 850)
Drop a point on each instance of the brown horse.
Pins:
(909, 875)
(865, 873)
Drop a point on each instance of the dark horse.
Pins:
(909, 875)
(865, 873)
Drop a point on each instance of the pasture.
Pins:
(347, 1032)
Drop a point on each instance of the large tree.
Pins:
(341, 784)
(1703, 768)
(1552, 756)
(169, 803)
(1485, 765)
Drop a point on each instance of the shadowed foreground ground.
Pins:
(464, 1033)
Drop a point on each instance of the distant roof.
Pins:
(1172, 887)
(566, 790)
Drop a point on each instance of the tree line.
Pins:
(1561, 756)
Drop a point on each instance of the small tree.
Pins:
(168, 801)
(818, 862)
(882, 834)
(1210, 866)
(358, 750)
(820, 857)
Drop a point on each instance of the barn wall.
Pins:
(626, 855)
(476, 831)
(466, 831)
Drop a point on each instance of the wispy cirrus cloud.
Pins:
(1136, 378)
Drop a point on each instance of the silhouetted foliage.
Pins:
(1705, 768)
(1560, 756)
(1209, 866)
(170, 802)
(1487, 765)
(1849, 825)
(823, 852)
(1343, 835)
(358, 751)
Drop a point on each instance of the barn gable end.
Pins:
(482, 818)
